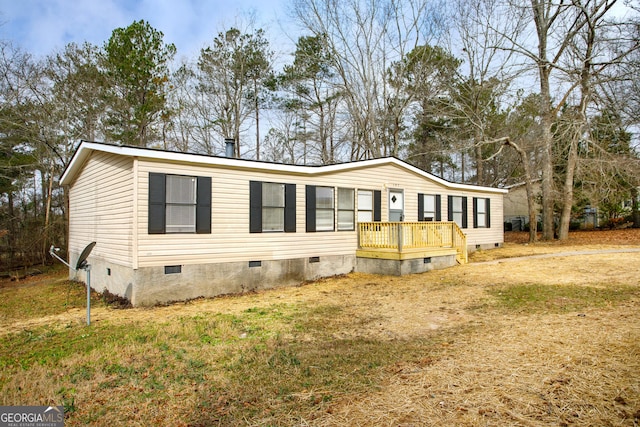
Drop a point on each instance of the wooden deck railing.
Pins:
(402, 236)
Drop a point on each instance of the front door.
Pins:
(396, 205)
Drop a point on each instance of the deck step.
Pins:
(393, 254)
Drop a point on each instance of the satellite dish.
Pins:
(82, 261)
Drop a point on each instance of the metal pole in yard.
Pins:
(88, 270)
(80, 265)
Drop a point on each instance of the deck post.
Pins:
(400, 237)
(453, 234)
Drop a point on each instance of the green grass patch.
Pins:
(254, 365)
(25, 301)
(48, 345)
(559, 298)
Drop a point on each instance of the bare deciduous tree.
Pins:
(364, 38)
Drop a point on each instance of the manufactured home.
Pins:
(172, 226)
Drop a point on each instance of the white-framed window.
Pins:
(272, 207)
(346, 209)
(365, 206)
(181, 204)
(457, 210)
(481, 212)
(429, 207)
(325, 210)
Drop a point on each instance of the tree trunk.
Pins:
(255, 92)
(635, 207)
(531, 201)
(542, 22)
(11, 240)
(479, 164)
(47, 216)
(547, 185)
(585, 97)
(567, 198)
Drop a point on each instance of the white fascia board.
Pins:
(86, 147)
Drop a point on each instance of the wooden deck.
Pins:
(409, 240)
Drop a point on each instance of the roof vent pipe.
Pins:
(230, 147)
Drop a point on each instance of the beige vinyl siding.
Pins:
(230, 240)
(101, 208)
(483, 235)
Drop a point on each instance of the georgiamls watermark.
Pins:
(31, 416)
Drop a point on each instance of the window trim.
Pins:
(280, 209)
(311, 208)
(332, 209)
(352, 210)
(358, 209)
(192, 205)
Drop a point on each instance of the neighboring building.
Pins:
(174, 226)
(516, 207)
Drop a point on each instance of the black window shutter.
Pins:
(289, 208)
(310, 200)
(449, 208)
(157, 203)
(438, 208)
(488, 215)
(464, 213)
(420, 207)
(377, 205)
(255, 207)
(203, 205)
(475, 212)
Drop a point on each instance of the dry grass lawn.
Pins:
(529, 342)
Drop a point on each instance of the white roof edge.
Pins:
(86, 147)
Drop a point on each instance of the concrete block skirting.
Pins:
(163, 284)
(406, 264)
(156, 285)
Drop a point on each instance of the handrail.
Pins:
(413, 235)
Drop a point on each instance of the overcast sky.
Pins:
(44, 26)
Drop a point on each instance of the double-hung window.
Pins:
(272, 207)
(320, 208)
(369, 205)
(457, 210)
(324, 208)
(365, 205)
(481, 212)
(179, 204)
(346, 209)
(429, 207)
